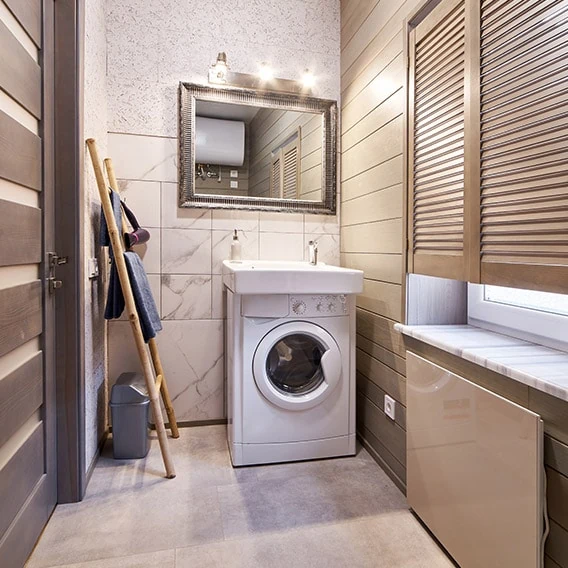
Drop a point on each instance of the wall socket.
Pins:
(390, 406)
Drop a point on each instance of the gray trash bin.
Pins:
(129, 406)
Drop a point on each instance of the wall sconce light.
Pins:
(219, 70)
(265, 72)
(308, 79)
(220, 74)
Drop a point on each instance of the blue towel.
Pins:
(143, 298)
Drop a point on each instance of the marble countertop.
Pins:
(541, 368)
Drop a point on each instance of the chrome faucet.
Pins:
(313, 252)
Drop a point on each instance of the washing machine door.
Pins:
(297, 365)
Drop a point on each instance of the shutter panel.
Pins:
(524, 143)
(436, 150)
(275, 177)
(291, 172)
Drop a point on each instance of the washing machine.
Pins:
(290, 377)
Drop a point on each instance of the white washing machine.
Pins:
(290, 377)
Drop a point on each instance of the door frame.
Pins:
(69, 219)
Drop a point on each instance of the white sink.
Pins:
(282, 277)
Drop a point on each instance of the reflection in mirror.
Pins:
(256, 150)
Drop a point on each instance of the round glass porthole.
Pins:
(293, 365)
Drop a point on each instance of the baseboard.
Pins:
(95, 459)
(191, 424)
(383, 465)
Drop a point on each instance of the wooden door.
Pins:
(28, 488)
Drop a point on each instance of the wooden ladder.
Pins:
(151, 363)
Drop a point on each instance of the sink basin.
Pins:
(282, 277)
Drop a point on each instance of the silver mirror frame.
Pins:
(189, 92)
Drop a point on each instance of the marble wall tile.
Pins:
(328, 247)
(281, 246)
(217, 297)
(192, 357)
(144, 199)
(150, 253)
(186, 297)
(186, 251)
(222, 247)
(175, 217)
(149, 158)
(321, 224)
(281, 222)
(227, 219)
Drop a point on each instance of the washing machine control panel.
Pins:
(315, 305)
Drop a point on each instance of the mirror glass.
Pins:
(256, 150)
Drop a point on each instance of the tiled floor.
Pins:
(330, 514)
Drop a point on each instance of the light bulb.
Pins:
(308, 79)
(265, 72)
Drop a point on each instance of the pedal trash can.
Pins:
(129, 406)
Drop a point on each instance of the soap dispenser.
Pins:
(236, 247)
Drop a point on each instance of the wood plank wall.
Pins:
(372, 133)
(268, 130)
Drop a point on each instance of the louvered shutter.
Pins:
(437, 49)
(524, 143)
(291, 177)
(275, 177)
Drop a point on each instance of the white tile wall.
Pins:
(145, 64)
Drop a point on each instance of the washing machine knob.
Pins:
(331, 307)
(319, 307)
(299, 307)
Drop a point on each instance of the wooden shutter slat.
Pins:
(532, 36)
(435, 114)
(433, 40)
(431, 95)
(434, 150)
(524, 144)
(443, 68)
(447, 49)
(433, 134)
(440, 158)
(428, 173)
(516, 15)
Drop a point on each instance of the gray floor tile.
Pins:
(387, 541)
(161, 559)
(328, 513)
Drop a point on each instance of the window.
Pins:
(541, 317)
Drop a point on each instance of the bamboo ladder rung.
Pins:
(151, 366)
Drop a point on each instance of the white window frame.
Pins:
(540, 327)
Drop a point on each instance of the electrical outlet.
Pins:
(234, 185)
(390, 406)
(234, 173)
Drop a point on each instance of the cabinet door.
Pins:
(437, 58)
(524, 135)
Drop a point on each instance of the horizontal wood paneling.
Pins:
(19, 476)
(377, 94)
(557, 544)
(20, 75)
(556, 455)
(383, 58)
(391, 435)
(379, 206)
(386, 174)
(554, 412)
(381, 298)
(20, 315)
(384, 144)
(379, 237)
(20, 153)
(28, 13)
(384, 267)
(376, 395)
(379, 352)
(21, 394)
(20, 234)
(380, 330)
(353, 14)
(557, 497)
(383, 376)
